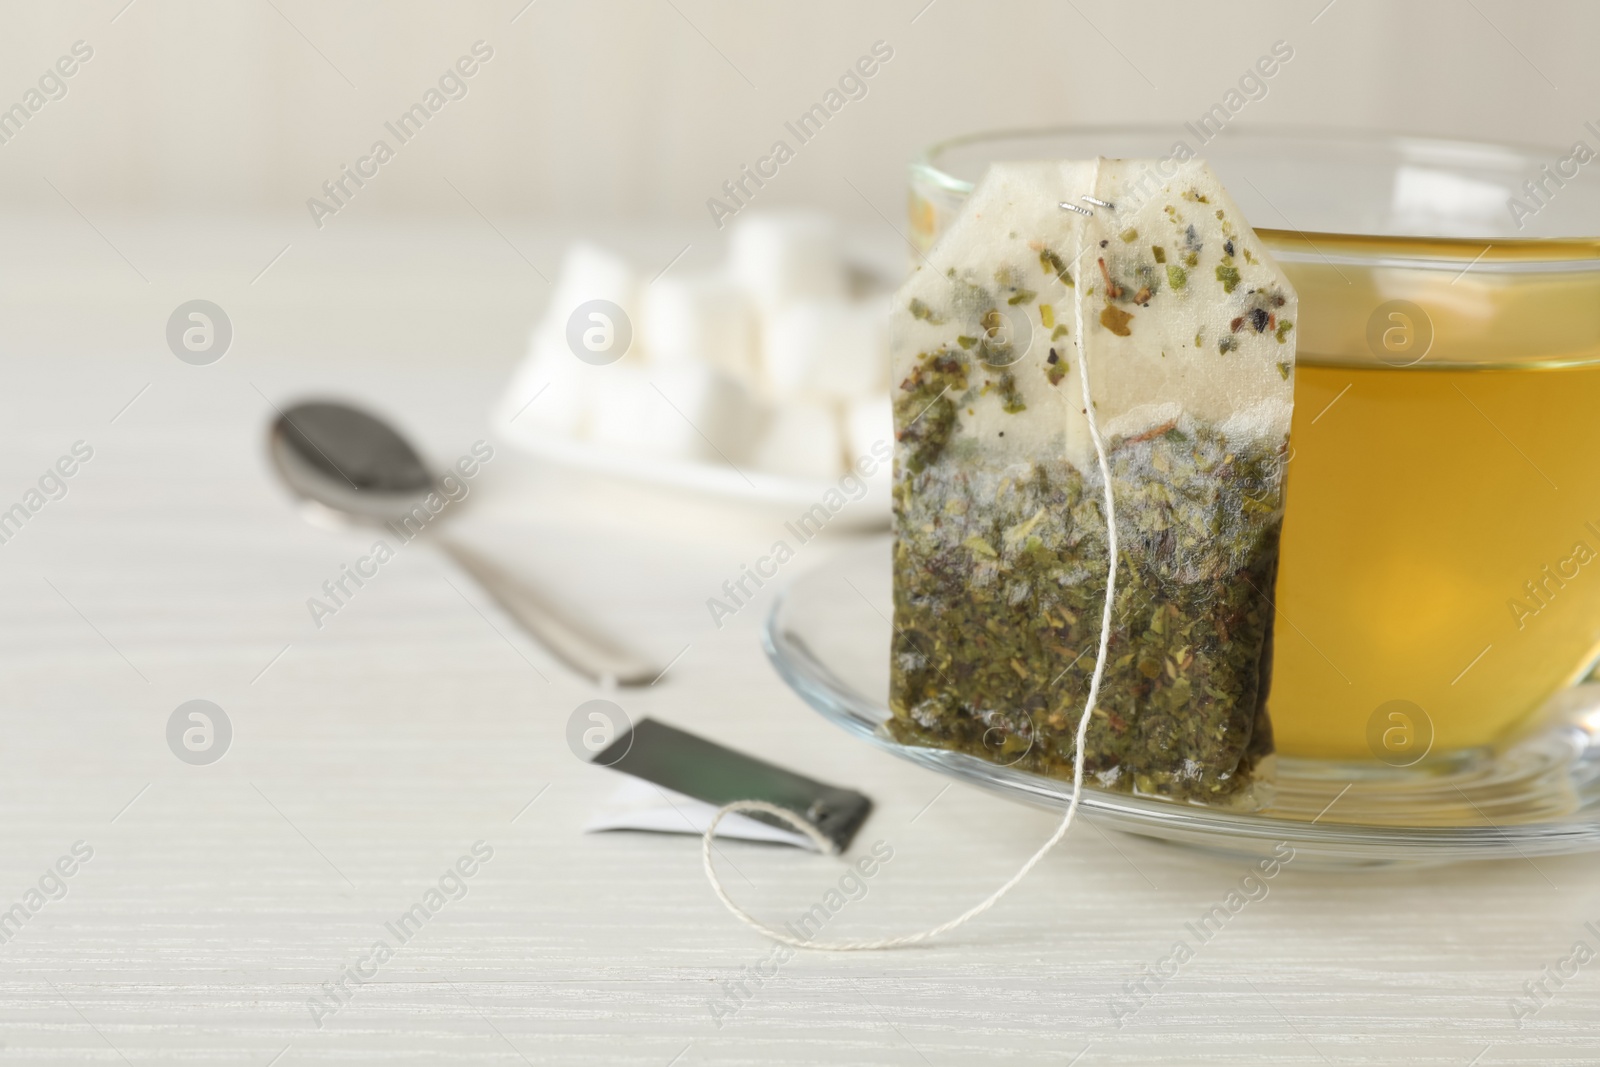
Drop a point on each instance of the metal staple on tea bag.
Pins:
(826, 845)
(1095, 200)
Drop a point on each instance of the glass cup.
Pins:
(1440, 569)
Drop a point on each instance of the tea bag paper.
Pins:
(640, 805)
(1000, 556)
(1134, 513)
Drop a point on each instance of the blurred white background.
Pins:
(639, 109)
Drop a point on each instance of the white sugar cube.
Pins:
(827, 349)
(623, 403)
(802, 441)
(589, 273)
(691, 412)
(705, 319)
(550, 392)
(869, 432)
(785, 256)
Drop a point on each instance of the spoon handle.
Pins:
(589, 655)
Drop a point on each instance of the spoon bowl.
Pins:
(347, 465)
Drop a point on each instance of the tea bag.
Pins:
(1091, 424)
(1000, 555)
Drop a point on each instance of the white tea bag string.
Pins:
(994, 898)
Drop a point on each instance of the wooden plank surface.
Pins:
(374, 752)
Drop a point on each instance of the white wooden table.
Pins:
(369, 755)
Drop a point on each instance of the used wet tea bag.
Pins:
(1091, 425)
(1000, 555)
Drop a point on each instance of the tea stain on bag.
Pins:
(1000, 559)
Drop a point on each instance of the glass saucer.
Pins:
(1538, 795)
